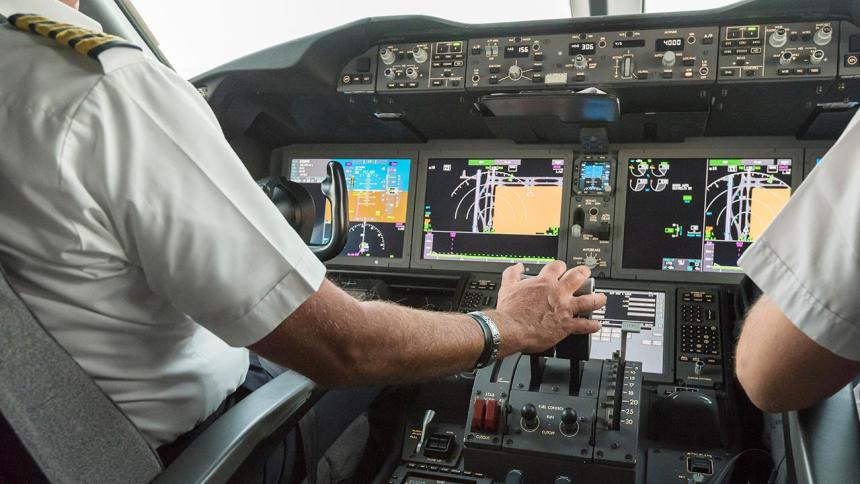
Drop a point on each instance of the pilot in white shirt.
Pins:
(150, 249)
(801, 342)
(137, 237)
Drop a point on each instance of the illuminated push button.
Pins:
(478, 408)
(491, 416)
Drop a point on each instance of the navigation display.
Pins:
(493, 210)
(699, 214)
(378, 192)
(646, 307)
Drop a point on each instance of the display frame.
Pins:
(669, 324)
(810, 154)
(621, 180)
(513, 152)
(282, 163)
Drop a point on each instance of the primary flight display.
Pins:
(378, 192)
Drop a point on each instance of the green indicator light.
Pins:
(752, 28)
(688, 198)
(669, 230)
(734, 162)
(482, 162)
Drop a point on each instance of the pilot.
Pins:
(801, 341)
(139, 240)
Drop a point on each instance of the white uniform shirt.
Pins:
(808, 260)
(131, 229)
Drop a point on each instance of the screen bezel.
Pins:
(286, 156)
(463, 266)
(809, 159)
(668, 375)
(621, 180)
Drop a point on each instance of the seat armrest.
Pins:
(825, 440)
(222, 448)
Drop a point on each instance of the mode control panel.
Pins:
(772, 51)
(421, 66)
(699, 339)
(587, 58)
(590, 241)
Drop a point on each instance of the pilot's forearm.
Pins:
(336, 340)
(408, 344)
(781, 368)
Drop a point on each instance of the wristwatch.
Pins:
(492, 339)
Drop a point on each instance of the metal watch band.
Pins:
(495, 342)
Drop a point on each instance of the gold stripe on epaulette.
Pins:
(23, 22)
(84, 41)
(68, 35)
(85, 46)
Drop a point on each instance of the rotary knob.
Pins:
(778, 38)
(387, 56)
(590, 261)
(579, 61)
(389, 73)
(669, 58)
(786, 58)
(529, 414)
(411, 73)
(419, 54)
(515, 72)
(817, 56)
(823, 35)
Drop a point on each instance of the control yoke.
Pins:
(297, 206)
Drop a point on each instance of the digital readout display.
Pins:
(585, 48)
(512, 51)
(628, 43)
(662, 45)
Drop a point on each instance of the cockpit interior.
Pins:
(420, 157)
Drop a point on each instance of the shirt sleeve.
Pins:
(807, 260)
(185, 210)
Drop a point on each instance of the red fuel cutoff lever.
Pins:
(478, 408)
(491, 416)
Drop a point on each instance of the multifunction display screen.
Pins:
(699, 214)
(493, 210)
(594, 176)
(622, 306)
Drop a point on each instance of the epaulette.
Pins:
(86, 42)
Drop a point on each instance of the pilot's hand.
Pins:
(542, 309)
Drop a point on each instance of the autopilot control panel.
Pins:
(674, 54)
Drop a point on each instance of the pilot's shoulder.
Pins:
(108, 51)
